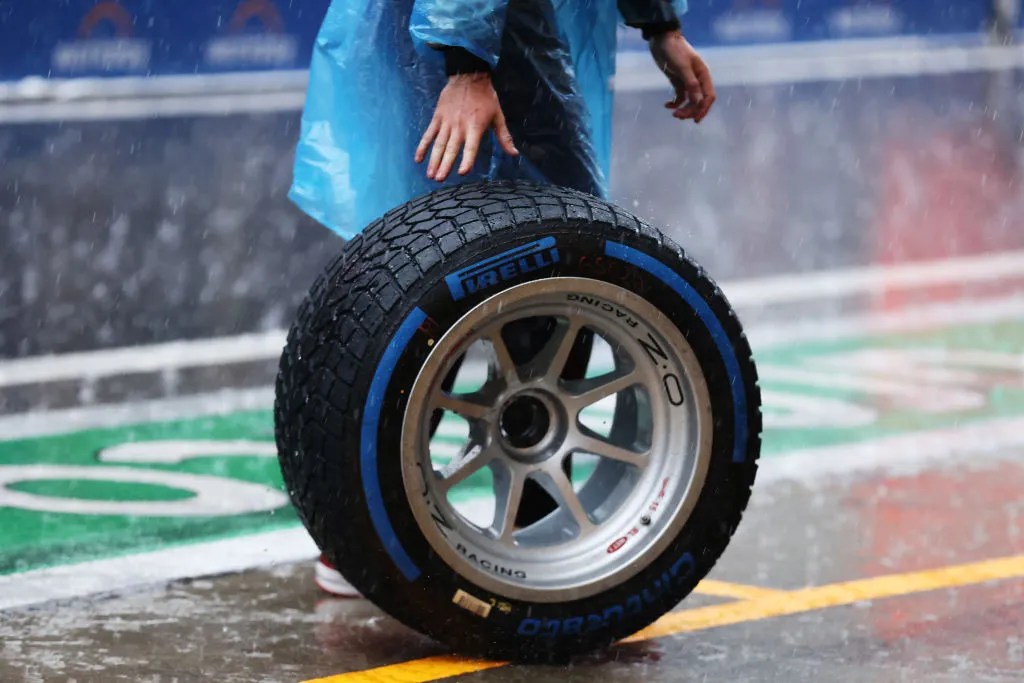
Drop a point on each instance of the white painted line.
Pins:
(802, 63)
(903, 454)
(758, 292)
(763, 337)
(875, 280)
(35, 89)
(915, 319)
(34, 100)
(173, 451)
(50, 422)
(154, 107)
(148, 358)
(155, 568)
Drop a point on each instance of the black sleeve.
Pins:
(459, 60)
(653, 17)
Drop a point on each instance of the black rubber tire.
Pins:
(351, 316)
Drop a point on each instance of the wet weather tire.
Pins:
(426, 402)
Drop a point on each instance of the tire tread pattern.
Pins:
(358, 301)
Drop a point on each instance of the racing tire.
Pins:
(663, 428)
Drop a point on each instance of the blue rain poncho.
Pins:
(375, 78)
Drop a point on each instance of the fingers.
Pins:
(690, 111)
(676, 101)
(428, 137)
(466, 111)
(437, 154)
(504, 134)
(469, 152)
(451, 153)
(694, 91)
(707, 86)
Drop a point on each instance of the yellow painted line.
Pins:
(832, 595)
(739, 591)
(768, 604)
(415, 671)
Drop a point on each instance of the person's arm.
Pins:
(652, 17)
(684, 68)
(469, 35)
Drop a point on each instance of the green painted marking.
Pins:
(87, 489)
(32, 539)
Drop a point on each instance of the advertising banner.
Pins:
(76, 38)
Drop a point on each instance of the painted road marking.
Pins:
(833, 595)
(416, 671)
(446, 666)
(893, 454)
(157, 567)
(904, 439)
(129, 97)
(65, 420)
(764, 606)
(765, 337)
(796, 454)
(896, 454)
(875, 279)
(965, 313)
(173, 451)
(737, 591)
(757, 292)
(819, 61)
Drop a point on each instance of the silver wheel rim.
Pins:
(639, 436)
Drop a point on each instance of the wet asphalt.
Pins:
(273, 624)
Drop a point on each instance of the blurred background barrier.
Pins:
(74, 38)
(145, 155)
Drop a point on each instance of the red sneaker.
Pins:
(331, 581)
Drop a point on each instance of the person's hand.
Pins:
(689, 75)
(467, 108)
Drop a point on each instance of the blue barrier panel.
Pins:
(874, 18)
(732, 22)
(744, 22)
(72, 38)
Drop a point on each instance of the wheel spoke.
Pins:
(501, 363)
(585, 392)
(461, 405)
(606, 449)
(474, 458)
(557, 483)
(551, 360)
(508, 493)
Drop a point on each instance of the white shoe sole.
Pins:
(331, 581)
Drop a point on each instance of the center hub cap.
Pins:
(525, 421)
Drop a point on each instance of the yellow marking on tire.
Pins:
(739, 591)
(768, 604)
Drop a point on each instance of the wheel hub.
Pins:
(531, 476)
(525, 421)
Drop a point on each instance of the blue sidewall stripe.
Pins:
(711, 322)
(368, 444)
